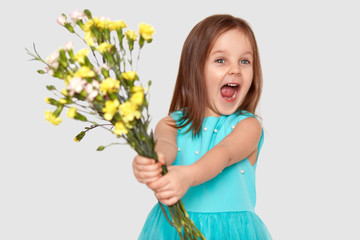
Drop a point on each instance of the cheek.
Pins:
(248, 78)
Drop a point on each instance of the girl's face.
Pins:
(228, 73)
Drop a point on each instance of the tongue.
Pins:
(227, 91)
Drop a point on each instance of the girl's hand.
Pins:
(147, 170)
(170, 188)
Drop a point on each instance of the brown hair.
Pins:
(190, 93)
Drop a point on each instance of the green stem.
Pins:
(145, 146)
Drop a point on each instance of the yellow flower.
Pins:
(103, 23)
(116, 25)
(129, 111)
(104, 47)
(146, 31)
(50, 117)
(131, 35)
(120, 128)
(47, 100)
(110, 109)
(88, 25)
(137, 98)
(80, 55)
(137, 89)
(89, 38)
(109, 85)
(71, 113)
(65, 91)
(129, 75)
(62, 101)
(96, 21)
(84, 72)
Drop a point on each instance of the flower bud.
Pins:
(68, 45)
(79, 136)
(61, 20)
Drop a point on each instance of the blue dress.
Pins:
(223, 207)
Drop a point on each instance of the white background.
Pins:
(308, 172)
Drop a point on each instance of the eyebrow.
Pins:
(221, 51)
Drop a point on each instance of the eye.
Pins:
(220, 60)
(245, 61)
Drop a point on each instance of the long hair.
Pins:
(190, 93)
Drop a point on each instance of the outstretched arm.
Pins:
(238, 145)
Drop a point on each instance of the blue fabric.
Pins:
(223, 207)
(242, 225)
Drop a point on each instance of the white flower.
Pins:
(61, 20)
(92, 90)
(68, 45)
(76, 15)
(76, 85)
(52, 60)
(49, 71)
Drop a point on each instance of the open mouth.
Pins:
(229, 91)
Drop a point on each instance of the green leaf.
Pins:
(58, 110)
(80, 136)
(41, 71)
(97, 34)
(88, 13)
(100, 148)
(112, 96)
(131, 45)
(52, 101)
(98, 105)
(80, 117)
(80, 24)
(69, 27)
(50, 87)
(149, 83)
(106, 34)
(141, 42)
(71, 54)
(105, 72)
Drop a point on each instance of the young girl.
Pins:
(211, 139)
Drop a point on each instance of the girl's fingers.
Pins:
(147, 168)
(148, 180)
(140, 160)
(147, 174)
(162, 184)
(169, 201)
(164, 195)
(161, 158)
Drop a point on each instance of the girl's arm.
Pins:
(145, 169)
(239, 144)
(166, 139)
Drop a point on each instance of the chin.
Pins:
(226, 112)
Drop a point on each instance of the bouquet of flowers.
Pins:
(102, 88)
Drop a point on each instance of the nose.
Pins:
(235, 69)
